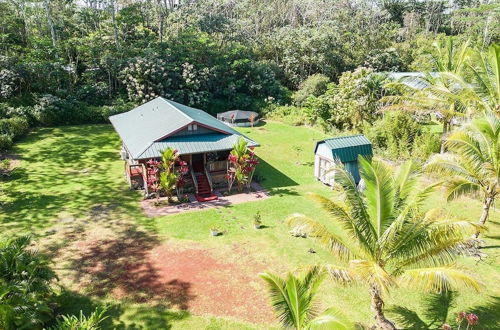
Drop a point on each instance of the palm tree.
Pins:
(435, 92)
(483, 89)
(385, 239)
(293, 299)
(473, 162)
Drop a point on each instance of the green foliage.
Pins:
(25, 286)
(5, 142)
(353, 100)
(399, 136)
(81, 322)
(14, 127)
(314, 85)
(473, 161)
(385, 237)
(293, 300)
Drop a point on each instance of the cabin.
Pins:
(239, 118)
(201, 140)
(345, 149)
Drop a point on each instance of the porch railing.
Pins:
(193, 176)
(209, 178)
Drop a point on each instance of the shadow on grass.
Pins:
(66, 169)
(120, 267)
(272, 178)
(436, 310)
(144, 317)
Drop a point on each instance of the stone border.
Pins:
(257, 194)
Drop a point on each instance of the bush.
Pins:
(291, 115)
(5, 142)
(400, 136)
(15, 127)
(26, 286)
(52, 110)
(119, 107)
(314, 85)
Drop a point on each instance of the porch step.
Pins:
(206, 198)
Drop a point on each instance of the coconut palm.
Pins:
(483, 87)
(293, 299)
(473, 162)
(384, 237)
(435, 92)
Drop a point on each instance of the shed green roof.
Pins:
(347, 148)
(147, 128)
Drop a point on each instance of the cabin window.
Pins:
(192, 127)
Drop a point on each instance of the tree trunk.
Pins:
(377, 307)
(443, 136)
(50, 22)
(488, 201)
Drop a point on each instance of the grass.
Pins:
(74, 173)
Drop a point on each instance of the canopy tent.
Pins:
(239, 117)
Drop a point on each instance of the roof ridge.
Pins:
(177, 109)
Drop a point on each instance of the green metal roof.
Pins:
(347, 148)
(193, 144)
(146, 128)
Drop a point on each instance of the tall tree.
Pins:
(473, 162)
(386, 239)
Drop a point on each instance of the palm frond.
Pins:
(293, 298)
(371, 272)
(320, 233)
(439, 279)
(379, 194)
(331, 319)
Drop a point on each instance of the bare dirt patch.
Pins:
(221, 286)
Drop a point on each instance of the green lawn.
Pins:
(74, 174)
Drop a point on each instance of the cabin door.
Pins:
(198, 162)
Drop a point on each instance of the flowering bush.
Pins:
(242, 163)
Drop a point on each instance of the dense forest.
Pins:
(70, 62)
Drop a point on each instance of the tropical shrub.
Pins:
(386, 239)
(242, 163)
(25, 286)
(146, 78)
(81, 322)
(399, 136)
(353, 101)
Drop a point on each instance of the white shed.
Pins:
(345, 149)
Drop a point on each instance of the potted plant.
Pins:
(214, 231)
(257, 222)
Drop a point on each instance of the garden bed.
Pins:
(152, 209)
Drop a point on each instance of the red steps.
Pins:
(204, 194)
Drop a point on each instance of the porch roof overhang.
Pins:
(194, 144)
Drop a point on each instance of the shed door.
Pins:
(352, 167)
(324, 167)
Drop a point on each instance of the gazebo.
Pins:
(239, 118)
